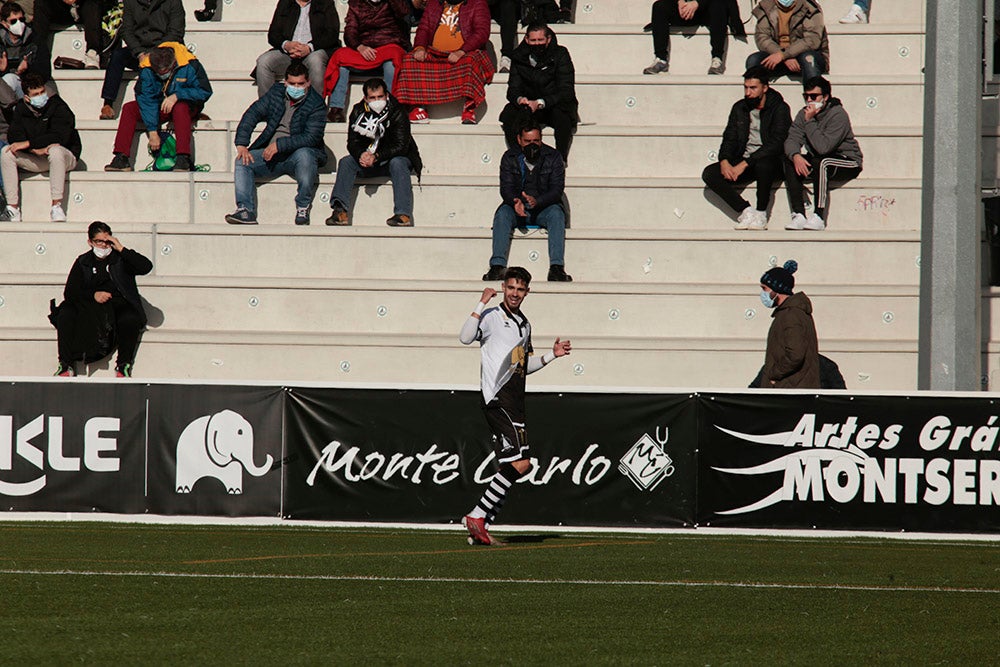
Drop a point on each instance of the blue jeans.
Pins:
(552, 218)
(121, 58)
(398, 170)
(302, 165)
(338, 98)
(812, 63)
(863, 5)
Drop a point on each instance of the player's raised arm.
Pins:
(471, 327)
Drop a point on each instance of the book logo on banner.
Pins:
(220, 446)
(647, 463)
(98, 451)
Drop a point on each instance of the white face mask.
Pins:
(17, 27)
(378, 106)
(101, 253)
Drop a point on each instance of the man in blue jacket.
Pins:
(291, 143)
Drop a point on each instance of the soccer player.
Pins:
(504, 335)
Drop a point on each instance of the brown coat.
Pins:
(806, 30)
(792, 357)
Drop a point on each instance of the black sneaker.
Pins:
(495, 273)
(339, 217)
(183, 163)
(241, 216)
(302, 216)
(557, 274)
(119, 163)
(65, 370)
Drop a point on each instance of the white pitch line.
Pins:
(528, 582)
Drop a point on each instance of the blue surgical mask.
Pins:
(785, 3)
(39, 101)
(295, 92)
(164, 76)
(766, 299)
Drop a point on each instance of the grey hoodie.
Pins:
(828, 133)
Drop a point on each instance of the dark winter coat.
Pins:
(149, 23)
(323, 21)
(123, 267)
(775, 119)
(792, 357)
(397, 140)
(552, 78)
(545, 183)
(377, 24)
(306, 129)
(473, 20)
(52, 124)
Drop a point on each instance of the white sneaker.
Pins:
(58, 214)
(745, 218)
(854, 15)
(758, 221)
(716, 67)
(91, 60)
(814, 223)
(797, 222)
(504, 64)
(13, 213)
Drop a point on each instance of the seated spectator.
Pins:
(145, 24)
(63, 13)
(42, 138)
(718, 15)
(102, 304)
(858, 13)
(7, 101)
(376, 37)
(532, 184)
(172, 86)
(821, 147)
(541, 88)
(291, 143)
(206, 13)
(792, 39)
(23, 51)
(752, 149)
(306, 30)
(506, 13)
(379, 143)
(448, 62)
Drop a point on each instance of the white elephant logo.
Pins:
(219, 446)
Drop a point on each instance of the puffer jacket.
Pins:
(473, 21)
(188, 81)
(792, 357)
(546, 183)
(806, 30)
(377, 24)
(552, 77)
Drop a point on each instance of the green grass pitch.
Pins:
(98, 593)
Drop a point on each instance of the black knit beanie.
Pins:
(780, 278)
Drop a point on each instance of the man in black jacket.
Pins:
(532, 184)
(100, 294)
(311, 40)
(541, 87)
(752, 149)
(379, 142)
(42, 138)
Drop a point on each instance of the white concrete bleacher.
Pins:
(665, 291)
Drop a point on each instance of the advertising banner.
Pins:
(427, 456)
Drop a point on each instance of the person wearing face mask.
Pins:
(22, 50)
(43, 138)
(820, 147)
(791, 38)
(173, 86)
(100, 294)
(379, 143)
(791, 360)
(532, 186)
(291, 143)
(541, 87)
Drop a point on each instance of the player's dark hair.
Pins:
(9, 8)
(373, 84)
(536, 27)
(517, 273)
(96, 227)
(32, 81)
(297, 68)
(759, 73)
(529, 125)
(817, 82)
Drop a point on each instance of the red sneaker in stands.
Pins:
(477, 530)
(469, 117)
(419, 115)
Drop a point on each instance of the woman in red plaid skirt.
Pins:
(448, 61)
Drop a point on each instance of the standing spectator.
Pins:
(718, 15)
(175, 87)
(64, 13)
(752, 149)
(791, 38)
(23, 51)
(378, 143)
(821, 147)
(145, 24)
(791, 360)
(448, 62)
(532, 183)
(376, 37)
(858, 13)
(505, 13)
(306, 30)
(101, 294)
(43, 138)
(291, 143)
(541, 87)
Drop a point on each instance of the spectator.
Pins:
(752, 149)
(791, 360)
(291, 143)
(858, 13)
(22, 50)
(306, 30)
(448, 62)
(718, 15)
(64, 13)
(7, 101)
(820, 146)
(101, 294)
(145, 24)
(172, 86)
(505, 13)
(532, 183)
(791, 38)
(378, 143)
(376, 37)
(43, 138)
(541, 87)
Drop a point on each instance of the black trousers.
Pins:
(562, 123)
(711, 13)
(506, 14)
(764, 172)
(56, 12)
(128, 330)
(825, 169)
